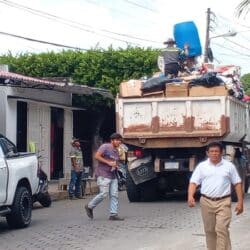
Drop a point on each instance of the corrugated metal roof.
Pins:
(13, 79)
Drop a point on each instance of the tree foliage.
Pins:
(245, 79)
(95, 68)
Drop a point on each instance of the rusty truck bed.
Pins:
(181, 121)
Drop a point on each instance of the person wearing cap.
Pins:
(107, 156)
(215, 176)
(76, 170)
(172, 56)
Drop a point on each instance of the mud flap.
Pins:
(142, 170)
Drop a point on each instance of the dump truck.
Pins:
(167, 134)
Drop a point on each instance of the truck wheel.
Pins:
(133, 191)
(149, 191)
(45, 200)
(21, 210)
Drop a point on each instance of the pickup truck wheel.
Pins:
(21, 209)
(133, 191)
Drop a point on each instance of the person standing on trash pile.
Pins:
(172, 57)
(76, 170)
(216, 175)
(107, 156)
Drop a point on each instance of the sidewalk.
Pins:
(60, 193)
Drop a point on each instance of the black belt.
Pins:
(216, 198)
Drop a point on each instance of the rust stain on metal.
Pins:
(137, 128)
(172, 126)
(206, 126)
(188, 123)
(225, 124)
(155, 124)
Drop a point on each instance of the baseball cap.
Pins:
(170, 40)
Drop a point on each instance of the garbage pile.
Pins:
(203, 81)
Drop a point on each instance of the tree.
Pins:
(245, 79)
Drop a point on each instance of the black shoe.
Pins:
(115, 217)
(89, 212)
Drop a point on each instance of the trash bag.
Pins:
(157, 83)
(207, 80)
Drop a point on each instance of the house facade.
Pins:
(37, 115)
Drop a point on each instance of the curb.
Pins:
(57, 195)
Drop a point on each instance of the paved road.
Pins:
(166, 225)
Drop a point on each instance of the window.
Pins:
(8, 147)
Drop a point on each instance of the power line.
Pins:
(141, 6)
(238, 52)
(70, 22)
(41, 41)
(123, 13)
(238, 23)
(240, 45)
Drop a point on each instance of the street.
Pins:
(164, 225)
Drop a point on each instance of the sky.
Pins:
(90, 24)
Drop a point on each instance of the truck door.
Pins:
(3, 176)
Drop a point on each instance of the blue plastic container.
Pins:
(187, 32)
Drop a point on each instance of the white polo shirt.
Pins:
(215, 180)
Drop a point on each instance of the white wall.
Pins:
(11, 120)
(68, 133)
(3, 103)
(39, 121)
(38, 131)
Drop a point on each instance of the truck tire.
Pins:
(149, 191)
(21, 209)
(45, 200)
(133, 191)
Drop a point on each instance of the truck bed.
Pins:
(182, 121)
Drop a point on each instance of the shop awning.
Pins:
(18, 80)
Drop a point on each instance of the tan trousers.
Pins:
(216, 217)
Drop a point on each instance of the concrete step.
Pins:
(57, 194)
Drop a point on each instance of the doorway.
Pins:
(56, 146)
(21, 135)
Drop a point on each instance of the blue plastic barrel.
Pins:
(187, 32)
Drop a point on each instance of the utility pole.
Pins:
(207, 41)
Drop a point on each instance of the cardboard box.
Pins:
(131, 88)
(154, 94)
(176, 89)
(203, 91)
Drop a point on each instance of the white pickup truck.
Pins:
(18, 183)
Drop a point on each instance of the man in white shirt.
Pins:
(216, 175)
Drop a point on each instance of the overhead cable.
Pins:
(41, 41)
(141, 6)
(71, 23)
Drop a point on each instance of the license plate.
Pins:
(171, 165)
